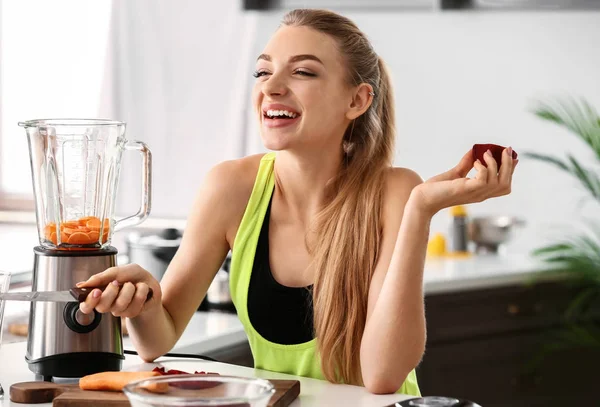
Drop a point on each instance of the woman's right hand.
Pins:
(125, 294)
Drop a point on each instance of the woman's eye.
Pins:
(258, 74)
(304, 73)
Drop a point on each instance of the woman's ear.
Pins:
(361, 100)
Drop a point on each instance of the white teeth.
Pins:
(279, 113)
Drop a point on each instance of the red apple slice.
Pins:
(496, 150)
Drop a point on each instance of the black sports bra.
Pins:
(279, 313)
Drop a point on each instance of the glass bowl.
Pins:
(194, 390)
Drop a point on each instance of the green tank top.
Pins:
(299, 359)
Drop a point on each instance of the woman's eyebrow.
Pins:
(295, 58)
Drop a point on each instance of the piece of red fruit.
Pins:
(190, 385)
(165, 372)
(496, 150)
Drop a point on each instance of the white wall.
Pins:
(460, 78)
(469, 77)
(176, 74)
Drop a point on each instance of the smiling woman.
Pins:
(328, 239)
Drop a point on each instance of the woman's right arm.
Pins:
(156, 325)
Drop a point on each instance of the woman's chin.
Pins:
(275, 143)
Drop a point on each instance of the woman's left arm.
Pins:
(394, 337)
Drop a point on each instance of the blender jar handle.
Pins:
(146, 187)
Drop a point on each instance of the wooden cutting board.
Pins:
(70, 395)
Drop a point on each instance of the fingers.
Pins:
(137, 301)
(482, 173)
(92, 300)
(123, 300)
(460, 171)
(465, 164)
(101, 279)
(506, 171)
(130, 272)
(119, 290)
(492, 174)
(108, 297)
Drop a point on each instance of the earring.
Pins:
(372, 93)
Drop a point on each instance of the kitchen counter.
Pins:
(444, 275)
(312, 392)
(207, 332)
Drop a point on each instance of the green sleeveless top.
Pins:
(298, 359)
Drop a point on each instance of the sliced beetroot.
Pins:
(496, 150)
(165, 372)
(191, 384)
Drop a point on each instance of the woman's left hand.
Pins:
(454, 188)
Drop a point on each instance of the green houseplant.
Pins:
(575, 257)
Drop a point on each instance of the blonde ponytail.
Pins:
(349, 227)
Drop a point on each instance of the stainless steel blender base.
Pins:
(62, 342)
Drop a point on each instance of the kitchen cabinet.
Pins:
(480, 345)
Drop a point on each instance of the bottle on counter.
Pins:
(458, 230)
(436, 247)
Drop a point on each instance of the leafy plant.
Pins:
(577, 256)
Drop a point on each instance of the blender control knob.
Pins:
(79, 322)
(84, 319)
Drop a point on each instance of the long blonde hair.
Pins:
(349, 227)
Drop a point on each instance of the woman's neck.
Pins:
(303, 181)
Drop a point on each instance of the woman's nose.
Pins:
(274, 86)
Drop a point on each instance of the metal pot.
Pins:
(489, 233)
(154, 252)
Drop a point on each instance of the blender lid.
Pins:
(169, 237)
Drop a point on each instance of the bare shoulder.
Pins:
(231, 181)
(236, 176)
(399, 184)
(230, 184)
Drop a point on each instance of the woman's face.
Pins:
(301, 96)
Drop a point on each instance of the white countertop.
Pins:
(312, 392)
(445, 275)
(207, 332)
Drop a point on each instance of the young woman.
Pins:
(328, 239)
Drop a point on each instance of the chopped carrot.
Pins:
(49, 229)
(93, 236)
(116, 381)
(95, 224)
(83, 221)
(83, 231)
(79, 238)
(69, 224)
(70, 231)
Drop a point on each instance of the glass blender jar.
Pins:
(75, 167)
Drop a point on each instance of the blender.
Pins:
(75, 166)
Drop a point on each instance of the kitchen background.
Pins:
(179, 73)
